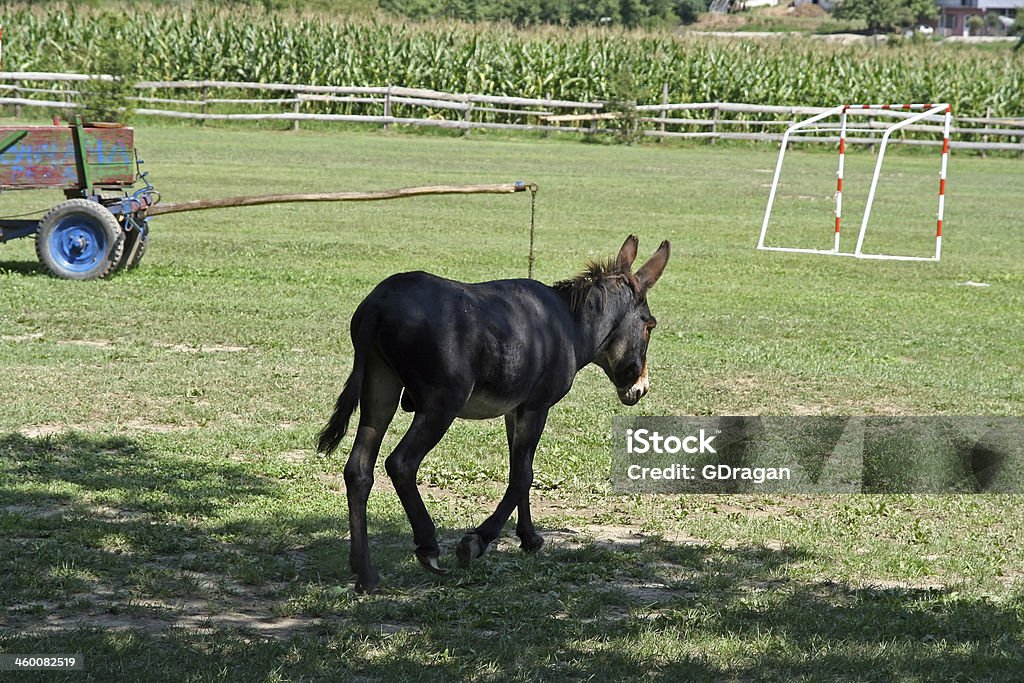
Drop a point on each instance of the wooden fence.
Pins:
(395, 105)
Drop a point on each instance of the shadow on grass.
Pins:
(80, 516)
(71, 469)
(21, 267)
(83, 516)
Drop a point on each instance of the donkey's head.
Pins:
(623, 356)
(619, 315)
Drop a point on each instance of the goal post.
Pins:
(921, 112)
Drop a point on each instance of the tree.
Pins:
(113, 54)
(1018, 30)
(887, 15)
(994, 24)
(624, 93)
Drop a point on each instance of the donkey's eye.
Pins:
(649, 324)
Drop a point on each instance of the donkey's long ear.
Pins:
(655, 266)
(624, 261)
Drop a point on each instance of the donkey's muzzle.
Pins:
(632, 394)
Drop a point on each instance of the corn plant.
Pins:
(576, 64)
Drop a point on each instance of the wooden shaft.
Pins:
(227, 202)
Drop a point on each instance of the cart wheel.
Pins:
(129, 260)
(79, 240)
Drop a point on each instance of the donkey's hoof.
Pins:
(470, 547)
(532, 543)
(428, 560)
(367, 584)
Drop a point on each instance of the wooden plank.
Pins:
(249, 85)
(564, 118)
(213, 100)
(257, 200)
(51, 76)
(110, 153)
(45, 157)
(53, 104)
(364, 90)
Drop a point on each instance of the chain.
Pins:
(533, 225)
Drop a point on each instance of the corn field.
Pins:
(573, 65)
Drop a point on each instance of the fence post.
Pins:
(664, 110)
(547, 133)
(468, 116)
(387, 106)
(984, 138)
(206, 96)
(17, 93)
(298, 110)
(714, 124)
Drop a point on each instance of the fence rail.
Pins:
(208, 100)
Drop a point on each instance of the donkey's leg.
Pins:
(426, 430)
(523, 430)
(530, 540)
(378, 401)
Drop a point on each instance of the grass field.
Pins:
(162, 510)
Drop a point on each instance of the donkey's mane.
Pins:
(600, 277)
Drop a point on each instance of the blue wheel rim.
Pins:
(77, 243)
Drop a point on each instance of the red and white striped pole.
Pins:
(839, 178)
(892, 107)
(942, 182)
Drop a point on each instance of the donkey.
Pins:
(447, 349)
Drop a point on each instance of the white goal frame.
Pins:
(843, 111)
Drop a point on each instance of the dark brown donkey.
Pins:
(447, 349)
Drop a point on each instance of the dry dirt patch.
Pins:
(44, 430)
(202, 348)
(135, 425)
(88, 343)
(30, 336)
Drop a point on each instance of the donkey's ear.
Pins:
(624, 261)
(655, 266)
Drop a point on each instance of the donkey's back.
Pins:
(495, 344)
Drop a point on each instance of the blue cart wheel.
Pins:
(79, 240)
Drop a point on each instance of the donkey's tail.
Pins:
(347, 401)
(346, 404)
(343, 409)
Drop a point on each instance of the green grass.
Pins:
(161, 508)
